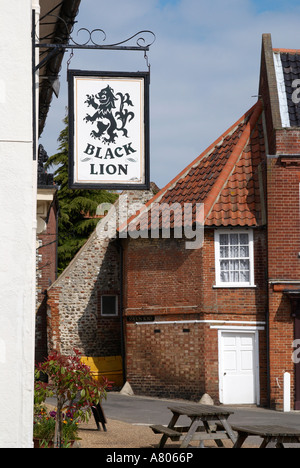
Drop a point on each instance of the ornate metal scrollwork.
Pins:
(143, 39)
(63, 38)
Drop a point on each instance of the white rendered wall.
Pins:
(17, 226)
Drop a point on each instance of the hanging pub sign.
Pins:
(108, 130)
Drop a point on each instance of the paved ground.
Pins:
(118, 435)
(129, 418)
(145, 410)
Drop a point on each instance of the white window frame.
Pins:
(219, 283)
(116, 308)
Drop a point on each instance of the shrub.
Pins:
(72, 384)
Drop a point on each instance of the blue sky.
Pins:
(204, 66)
(273, 5)
(163, 3)
(260, 5)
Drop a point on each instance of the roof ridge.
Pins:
(233, 159)
(73, 261)
(195, 162)
(287, 51)
(204, 154)
(86, 244)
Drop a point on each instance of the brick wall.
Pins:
(46, 275)
(164, 280)
(283, 269)
(283, 263)
(281, 338)
(288, 141)
(161, 278)
(46, 255)
(283, 220)
(160, 358)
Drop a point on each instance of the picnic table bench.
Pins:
(204, 422)
(278, 434)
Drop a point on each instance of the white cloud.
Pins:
(204, 68)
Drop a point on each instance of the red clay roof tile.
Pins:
(224, 178)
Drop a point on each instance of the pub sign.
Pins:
(108, 130)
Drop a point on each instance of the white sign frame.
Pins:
(108, 130)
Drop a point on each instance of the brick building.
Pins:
(279, 89)
(222, 319)
(201, 309)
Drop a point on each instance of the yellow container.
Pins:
(110, 367)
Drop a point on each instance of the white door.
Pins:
(238, 367)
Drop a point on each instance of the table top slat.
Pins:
(267, 431)
(194, 410)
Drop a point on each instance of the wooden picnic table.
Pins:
(278, 434)
(206, 420)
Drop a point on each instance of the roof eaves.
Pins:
(66, 16)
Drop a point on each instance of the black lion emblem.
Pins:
(106, 114)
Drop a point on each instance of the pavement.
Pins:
(145, 411)
(140, 410)
(129, 417)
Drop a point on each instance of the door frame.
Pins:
(235, 330)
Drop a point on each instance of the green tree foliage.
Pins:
(75, 206)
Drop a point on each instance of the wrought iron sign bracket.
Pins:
(129, 116)
(62, 39)
(140, 38)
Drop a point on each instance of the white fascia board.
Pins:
(283, 103)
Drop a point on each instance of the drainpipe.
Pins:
(36, 10)
(35, 15)
(268, 355)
